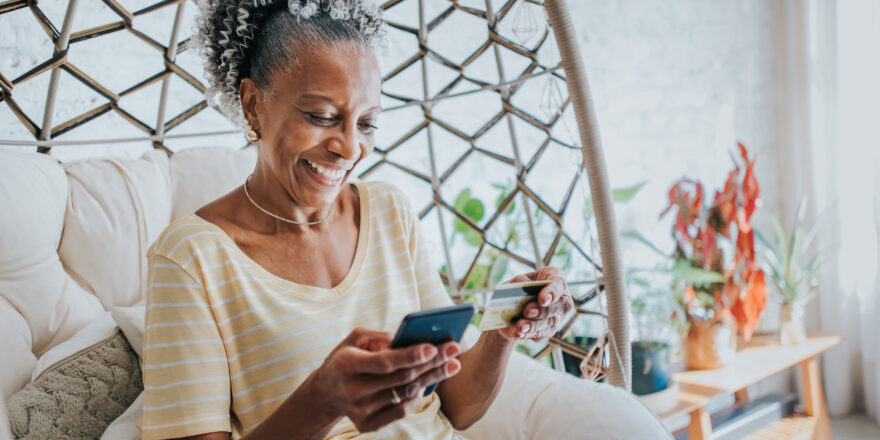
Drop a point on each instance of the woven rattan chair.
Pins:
(524, 55)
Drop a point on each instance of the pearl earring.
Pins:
(252, 135)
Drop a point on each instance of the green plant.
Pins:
(492, 266)
(793, 269)
(654, 316)
(619, 195)
(655, 312)
(654, 309)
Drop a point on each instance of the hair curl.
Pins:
(240, 39)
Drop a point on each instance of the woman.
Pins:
(269, 309)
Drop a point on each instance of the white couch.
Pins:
(72, 242)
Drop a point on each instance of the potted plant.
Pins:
(793, 271)
(653, 309)
(657, 312)
(715, 310)
(653, 316)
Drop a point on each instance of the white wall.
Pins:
(676, 84)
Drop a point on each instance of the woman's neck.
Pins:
(272, 201)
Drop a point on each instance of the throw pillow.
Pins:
(78, 397)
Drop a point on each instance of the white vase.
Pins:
(791, 324)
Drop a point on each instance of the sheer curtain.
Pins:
(833, 149)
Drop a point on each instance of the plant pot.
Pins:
(791, 324)
(650, 367)
(710, 344)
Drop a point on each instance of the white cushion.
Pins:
(131, 321)
(17, 361)
(507, 418)
(33, 195)
(201, 175)
(573, 408)
(116, 209)
(536, 402)
(96, 332)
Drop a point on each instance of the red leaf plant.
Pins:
(698, 230)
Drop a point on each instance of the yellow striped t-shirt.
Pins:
(227, 341)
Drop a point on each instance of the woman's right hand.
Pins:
(357, 377)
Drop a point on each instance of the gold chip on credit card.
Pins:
(508, 302)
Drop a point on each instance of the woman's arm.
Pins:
(467, 396)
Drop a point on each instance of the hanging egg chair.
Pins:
(488, 126)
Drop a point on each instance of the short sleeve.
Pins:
(186, 375)
(432, 293)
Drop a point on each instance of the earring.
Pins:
(252, 135)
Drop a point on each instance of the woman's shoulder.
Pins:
(183, 236)
(383, 195)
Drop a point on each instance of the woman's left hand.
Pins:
(541, 319)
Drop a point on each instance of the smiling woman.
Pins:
(269, 310)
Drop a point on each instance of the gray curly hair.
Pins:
(253, 39)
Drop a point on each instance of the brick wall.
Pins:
(676, 84)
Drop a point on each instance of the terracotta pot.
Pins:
(791, 325)
(710, 344)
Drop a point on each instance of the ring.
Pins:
(396, 399)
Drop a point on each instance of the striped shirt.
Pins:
(227, 341)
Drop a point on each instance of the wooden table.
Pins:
(756, 360)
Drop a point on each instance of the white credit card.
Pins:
(508, 302)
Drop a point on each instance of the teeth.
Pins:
(326, 173)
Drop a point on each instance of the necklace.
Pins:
(287, 220)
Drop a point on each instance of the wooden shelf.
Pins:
(796, 427)
(758, 359)
(690, 399)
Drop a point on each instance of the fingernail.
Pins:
(452, 368)
(531, 313)
(546, 300)
(451, 351)
(526, 328)
(429, 352)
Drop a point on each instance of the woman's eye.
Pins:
(368, 127)
(321, 120)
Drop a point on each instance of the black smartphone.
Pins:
(435, 326)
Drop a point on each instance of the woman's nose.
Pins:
(347, 144)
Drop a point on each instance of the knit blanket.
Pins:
(78, 397)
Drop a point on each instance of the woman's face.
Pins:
(318, 122)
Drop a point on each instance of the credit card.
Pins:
(508, 302)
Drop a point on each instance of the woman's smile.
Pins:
(324, 175)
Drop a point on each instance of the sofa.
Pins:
(73, 238)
